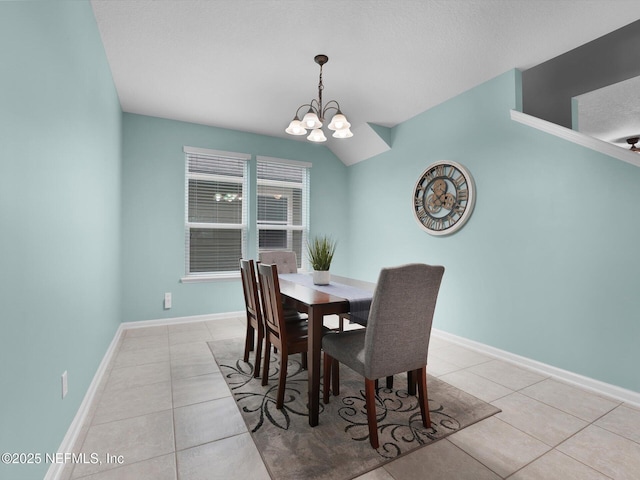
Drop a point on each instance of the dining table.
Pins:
(342, 295)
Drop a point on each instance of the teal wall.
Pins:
(153, 217)
(547, 266)
(60, 137)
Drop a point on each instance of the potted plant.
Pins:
(321, 250)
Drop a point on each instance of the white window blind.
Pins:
(216, 213)
(283, 211)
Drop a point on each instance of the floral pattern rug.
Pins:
(338, 448)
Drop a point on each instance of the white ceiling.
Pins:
(248, 64)
(611, 113)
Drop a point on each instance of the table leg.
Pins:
(313, 363)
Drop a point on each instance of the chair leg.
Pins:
(335, 377)
(267, 357)
(283, 378)
(327, 377)
(304, 360)
(256, 368)
(370, 396)
(390, 381)
(423, 397)
(248, 342)
(411, 382)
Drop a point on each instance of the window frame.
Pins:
(189, 152)
(279, 186)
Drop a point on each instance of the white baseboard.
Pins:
(68, 442)
(596, 386)
(179, 320)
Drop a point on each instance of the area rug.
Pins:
(338, 448)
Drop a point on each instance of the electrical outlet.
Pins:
(167, 300)
(65, 385)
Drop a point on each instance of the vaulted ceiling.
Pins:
(248, 64)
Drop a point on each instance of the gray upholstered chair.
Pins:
(286, 261)
(396, 339)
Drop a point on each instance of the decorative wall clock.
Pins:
(443, 197)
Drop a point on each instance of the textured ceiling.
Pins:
(611, 113)
(248, 64)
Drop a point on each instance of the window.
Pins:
(283, 217)
(216, 213)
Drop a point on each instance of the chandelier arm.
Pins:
(307, 105)
(329, 106)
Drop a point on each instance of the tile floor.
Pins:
(165, 408)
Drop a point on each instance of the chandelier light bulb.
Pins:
(317, 136)
(296, 127)
(343, 133)
(338, 122)
(311, 120)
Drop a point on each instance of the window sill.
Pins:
(209, 278)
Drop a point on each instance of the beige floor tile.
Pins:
(142, 356)
(208, 421)
(133, 402)
(436, 342)
(186, 352)
(148, 341)
(233, 457)
(377, 474)
(138, 375)
(158, 468)
(439, 461)
(190, 337)
(223, 329)
(437, 367)
(136, 439)
(187, 391)
(498, 445)
(146, 331)
(186, 327)
(624, 421)
(557, 466)
(539, 420)
(192, 359)
(507, 374)
(476, 385)
(605, 452)
(461, 356)
(576, 401)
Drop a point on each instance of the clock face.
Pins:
(443, 198)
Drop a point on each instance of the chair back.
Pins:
(286, 261)
(250, 289)
(399, 326)
(272, 301)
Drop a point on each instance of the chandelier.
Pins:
(314, 118)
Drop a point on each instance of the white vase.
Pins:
(321, 277)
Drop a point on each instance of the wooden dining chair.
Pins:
(396, 339)
(287, 262)
(255, 322)
(289, 337)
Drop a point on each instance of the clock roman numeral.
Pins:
(459, 181)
